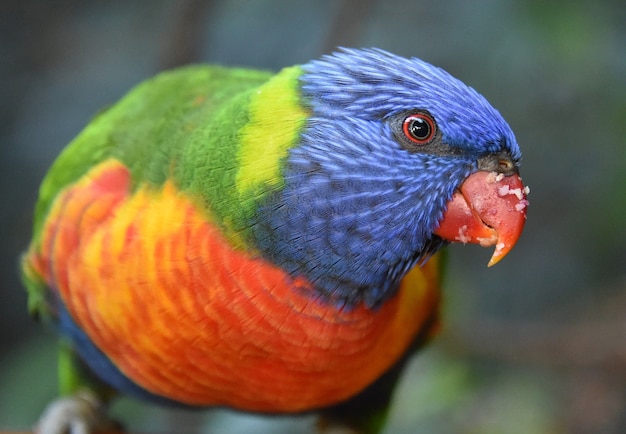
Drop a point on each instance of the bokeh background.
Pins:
(535, 345)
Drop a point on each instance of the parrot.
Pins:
(268, 242)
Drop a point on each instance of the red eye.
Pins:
(419, 128)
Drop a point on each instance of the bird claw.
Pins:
(81, 413)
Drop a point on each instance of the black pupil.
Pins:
(419, 128)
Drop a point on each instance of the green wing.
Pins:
(220, 133)
(149, 127)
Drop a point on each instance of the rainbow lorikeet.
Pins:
(268, 242)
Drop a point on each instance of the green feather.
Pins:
(220, 133)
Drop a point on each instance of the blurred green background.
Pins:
(534, 345)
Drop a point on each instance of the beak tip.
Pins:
(506, 242)
(495, 258)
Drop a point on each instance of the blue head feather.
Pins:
(358, 210)
(375, 84)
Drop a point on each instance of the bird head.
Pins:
(396, 159)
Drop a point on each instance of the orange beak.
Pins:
(489, 209)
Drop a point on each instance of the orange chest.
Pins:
(185, 316)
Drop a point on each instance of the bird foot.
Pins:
(81, 413)
(327, 426)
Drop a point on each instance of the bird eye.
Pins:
(419, 128)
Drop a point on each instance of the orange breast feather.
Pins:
(181, 313)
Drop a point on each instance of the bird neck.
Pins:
(352, 235)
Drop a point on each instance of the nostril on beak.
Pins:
(505, 166)
(500, 163)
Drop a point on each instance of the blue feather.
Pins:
(358, 210)
(374, 84)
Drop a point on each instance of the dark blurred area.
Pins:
(536, 344)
